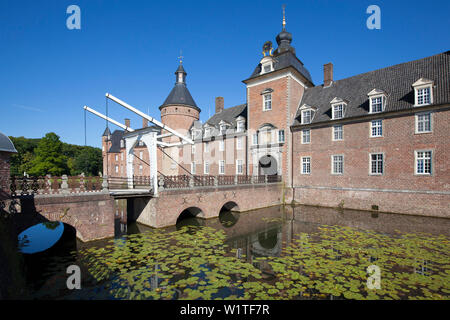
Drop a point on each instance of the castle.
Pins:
(377, 141)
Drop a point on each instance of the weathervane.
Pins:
(181, 57)
(284, 17)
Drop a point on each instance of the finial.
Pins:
(284, 17)
(181, 57)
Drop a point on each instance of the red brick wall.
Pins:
(398, 144)
(4, 172)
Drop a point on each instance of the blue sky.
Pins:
(130, 49)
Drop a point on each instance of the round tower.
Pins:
(179, 110)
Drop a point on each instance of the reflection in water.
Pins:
(228, 218)
(279, 252)
(40, 237)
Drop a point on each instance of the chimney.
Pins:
(219, 104)
(144, 123)
(327, 74)
(127, 122)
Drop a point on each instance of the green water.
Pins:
(274, 253)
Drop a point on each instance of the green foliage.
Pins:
(51, 156)
(48, 157)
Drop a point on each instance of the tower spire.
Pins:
(181, 57)
(284, 17)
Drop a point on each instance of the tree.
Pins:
(48, 157)
(89, 161)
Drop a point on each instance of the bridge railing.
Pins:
(118, 183)
(20, 186)
(185, 181)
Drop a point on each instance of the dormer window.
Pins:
(207, 131)
(423, 92)
(240, 124)
(223, 129)
(377, 101)
(266, 64)
(122, 144)
(338, 107)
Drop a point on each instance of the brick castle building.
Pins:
(377, 141)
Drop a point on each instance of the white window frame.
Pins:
(141, 155)
(141, 169)
(239, 143)
(420, 84)
(193, 148)
(223, 129)
(207, 131)
(116, 168)
(281, 137)
(221, 166)
(334, 111)
(206, 167)
(303, 136)
(255, 139)
(373, 127)
(122, 144)
(382, 163)
(240, 126)
(206, 149)
(116, 157)
(241, 166)
(193, 167)
(416, 159)
(332, 164)
(310, 111)
(334, 132)
(221, 145)
(267, 101)
(377, 94)
(303, 163)
(430, 114)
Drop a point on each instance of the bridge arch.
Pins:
(188, 217)
(228, 214)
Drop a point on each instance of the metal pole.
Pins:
(108, 119)
(151, 119)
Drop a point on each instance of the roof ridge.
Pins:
(384, 68)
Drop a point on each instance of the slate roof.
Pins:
(396, 81)
(284, 60)
(116, 136)
(106, 132)
(6, 144)
(179, 95)
(228, 115)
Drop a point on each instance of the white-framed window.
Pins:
(255, 138)
(337, 164)
(240, 126)
(193, 167)
(423, 162)
(423, 122)
(267, 68)
(121, 156)
(122, 144)
(206, 167)
(423, 92)
(116, 169)
(306, 116)
(423, 96)
(116, 157)
(306, 136)
(239, 166)
(221, 166)
(223, 129)
(239, 143)
(206, 147)
(280, 136)
(338, 133)
(338, 111)
(267, 101)
(141, 155)
(103, 148)
(193, 149)
(376, 163)
(376, 128)
(207, 132)
(306, 165)
(376, 104)
(221, 145)
(141, 143)
(141, 169)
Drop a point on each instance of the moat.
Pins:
(274, 253)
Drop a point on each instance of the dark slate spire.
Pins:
(284, 38)
(106, 133)
(180, 94)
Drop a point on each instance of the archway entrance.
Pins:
(267, 165)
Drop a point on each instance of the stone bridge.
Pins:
(87, 204)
